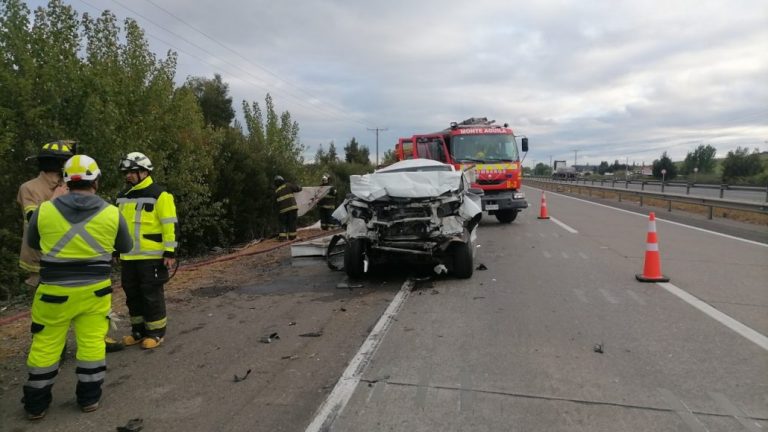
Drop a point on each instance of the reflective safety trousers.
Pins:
(151, 215)
(54, 309)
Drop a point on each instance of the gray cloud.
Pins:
(610, 79)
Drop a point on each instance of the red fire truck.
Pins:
(491, 149)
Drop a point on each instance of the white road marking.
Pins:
(546, 254)
(564, 226)
(580, 294)
(724, 319)
(645, 215)
(608, 296)
(333, 405)
(636, 297)
(583, 255)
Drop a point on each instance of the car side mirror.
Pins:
(525, 144)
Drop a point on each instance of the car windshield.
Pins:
(484, 148)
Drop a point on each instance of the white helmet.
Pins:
(81, 168)
(135, 161)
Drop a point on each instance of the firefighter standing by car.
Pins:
(327, 205)
(286, 207)
(77, 234)
(46, 186)
(151, 213)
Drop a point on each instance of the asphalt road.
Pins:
(514, 348)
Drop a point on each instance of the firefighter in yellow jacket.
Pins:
(76, 234)
(151, 214)
(288, 211)
(46, 186)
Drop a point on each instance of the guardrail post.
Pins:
(662, 187)
(669, 205)
(687, 188)
(613, 183)
(711, 210)
(722, 189)
(626, 185)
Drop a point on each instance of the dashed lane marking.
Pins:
(564, 226)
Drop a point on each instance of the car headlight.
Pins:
(519, 195)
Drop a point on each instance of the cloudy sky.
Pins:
(596, 80)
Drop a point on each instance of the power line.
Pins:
(265, 69)
(297, 98)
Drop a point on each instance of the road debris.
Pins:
(238, 379)
(289, 357)
(270, 338)
(440, 269)
(292, 323)
(434, 291)
(598, 348)
(343, 309)
(133, 425)
(481, 267)
(478, 298)
(312, 334)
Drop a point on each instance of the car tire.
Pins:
(506, 216)
(354, 258)
(463, 263)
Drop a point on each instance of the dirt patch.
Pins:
(209, 276)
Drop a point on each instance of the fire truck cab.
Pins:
(489, 151)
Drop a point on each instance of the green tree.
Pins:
(356, 153)
(389, 157)
(664, 163)
(542, 169)
(603, 168)
(741, 163)
(703, 158)
(320, 155)
(213, 97)
(332, 154)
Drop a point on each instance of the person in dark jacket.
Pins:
(288, 211)
(327, 205)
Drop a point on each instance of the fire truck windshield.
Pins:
(484, 148)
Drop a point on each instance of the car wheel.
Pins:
(506, 216)
(462, 260)
(354, 258)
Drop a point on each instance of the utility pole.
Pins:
(377, 142)
(550, 161)
(575, 159)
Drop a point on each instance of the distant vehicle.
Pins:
(491, 149)
(563, 172)
(415, 210)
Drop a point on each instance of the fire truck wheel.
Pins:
(506, 216)
(354, 258)
(462, 260)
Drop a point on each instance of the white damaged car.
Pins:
(416, 209)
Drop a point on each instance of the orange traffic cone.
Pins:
(652, 266)
(543, 212)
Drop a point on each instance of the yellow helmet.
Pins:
(81, 168)
(57, 149)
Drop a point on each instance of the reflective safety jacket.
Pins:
(286, 201)
(31, 195)
(151, 216)
(77, 234)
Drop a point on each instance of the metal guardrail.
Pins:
(709, 203)
(680, 185)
